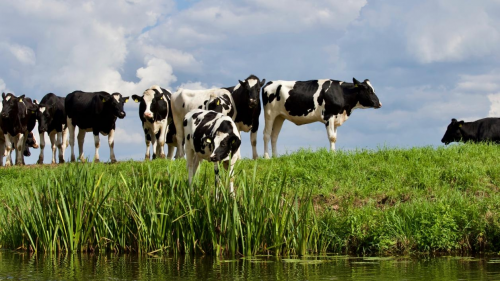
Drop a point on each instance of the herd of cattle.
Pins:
(203, 124)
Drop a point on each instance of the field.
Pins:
(360, 202)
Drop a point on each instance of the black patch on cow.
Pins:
(200, 107)
(171, 133)
(185, 123)
(183, 105)
(301, 101)
(324, 88)
(188, 137)
(272, 96)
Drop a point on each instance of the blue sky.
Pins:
(429, 61)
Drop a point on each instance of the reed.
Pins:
(365, 201)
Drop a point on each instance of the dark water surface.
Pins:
(22, 266)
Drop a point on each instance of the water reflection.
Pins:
(23, 266)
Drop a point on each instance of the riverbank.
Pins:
(382, 201)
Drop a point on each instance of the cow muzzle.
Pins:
(122, 115)
(252, 103)
(148, 115)
(214, 158)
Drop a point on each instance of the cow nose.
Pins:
(122, 115)
(5, 115)
(213, 158)
(253, 103)
(379, 104)
(148, 114)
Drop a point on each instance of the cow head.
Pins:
(221, 104)
(453, 132)
(10, 104)
(366, 95)
(115, 103)
(251, 89)
(224, 143)
(45, 116)
(149, 102)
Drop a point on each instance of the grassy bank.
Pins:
(388, 200)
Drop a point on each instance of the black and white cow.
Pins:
(30, 142)
(302, 102)
(155, 114)
(246, 96)
(94, 112)
(14, 125)
(184, 100)
(52, 120)
(210, 136)
(482, 130)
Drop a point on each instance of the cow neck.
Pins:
(17, 121)
(469, 131)
(350, 97)
(239, 103)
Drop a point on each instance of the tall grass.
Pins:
(387, 200)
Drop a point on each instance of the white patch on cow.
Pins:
(7, 98)
(117, 97)
(236, 87)
(148, 97)
(252, 82)
(370, 84)
(358, 105)
(156, 87)
(42, 109)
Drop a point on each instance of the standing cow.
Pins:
(52, 119)
(184, 100)
(94, 112)
(213, 137)
(155, 114)
(14, 125)
(246, 96)
(302, 102)
(482, 130)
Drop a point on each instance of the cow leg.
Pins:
(111, 142)
(180, 137)
(153, 144)
(190, 155)
(97, 143)
(253, 141)
(278, 123)
(170, 152)
(161, 139)
(2, 149)
(8, 150)
(53, 145)
(71, 130)
(62, 138)
(20, 142)
(81, 139)
(268, 128)
(42, 147)
(331, 131)
(148, 144)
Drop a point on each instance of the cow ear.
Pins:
(3, 95)
(356, 82)
(136, 98)
(35, 102)
(104, 98)
(263, 82)
(125, 99)
(21, 98)
(460, 123)
(453, 121)
(206, 141)
(235, 144)
(241, 83)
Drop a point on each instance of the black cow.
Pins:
(14, 125)
(302, 102)
(211, 136)
(155, 114)
(482, 130)
(246, 98)
(52, 120)
(94, 112)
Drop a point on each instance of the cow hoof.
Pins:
(96, 161)
(35, 146)
(266, 156)
(162, 156)
(61, 161)
(73, 159)
(8, 164)
(40, 161)
(113, 161)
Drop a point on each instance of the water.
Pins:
(22, 266)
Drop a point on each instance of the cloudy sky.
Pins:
(429, 61)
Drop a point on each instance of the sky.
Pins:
(429, 61)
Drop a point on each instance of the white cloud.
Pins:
(24, 54)
(3, 87)
(128, 137)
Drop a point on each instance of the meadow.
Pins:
(383, 201)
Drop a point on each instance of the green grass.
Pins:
(366, 201)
